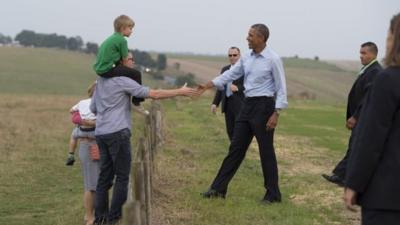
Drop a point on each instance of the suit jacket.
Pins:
(373, 169)
(363, 83)
(220, 96)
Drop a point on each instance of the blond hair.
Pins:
(123, 21)
(90, 89)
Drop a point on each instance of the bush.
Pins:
(188, 78)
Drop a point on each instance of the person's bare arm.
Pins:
(183, 91)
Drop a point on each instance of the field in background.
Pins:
(306, 78)
(38, 86)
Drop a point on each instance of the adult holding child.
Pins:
(114, 50)
(111, 104)
(84, 134)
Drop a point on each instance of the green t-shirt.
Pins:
(111, 51)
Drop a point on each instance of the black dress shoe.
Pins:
(270, 200)
(334, 179)
(211, 193)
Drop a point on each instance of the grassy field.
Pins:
(309, 141)
(38, 189)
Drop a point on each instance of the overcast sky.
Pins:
(331, 29)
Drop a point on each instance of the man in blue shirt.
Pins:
(111, 102)
(265, 96)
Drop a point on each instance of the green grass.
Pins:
(310, 64)
(38, 189)
(323, 124)
(48, 71)
(199, 145)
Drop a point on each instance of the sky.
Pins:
(307, 28)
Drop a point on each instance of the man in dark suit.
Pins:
(356, 100)
(231, 98)
(372, 179)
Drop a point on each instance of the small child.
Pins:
(83, 129)
(113, 50)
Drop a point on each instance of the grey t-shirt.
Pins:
(111, 102)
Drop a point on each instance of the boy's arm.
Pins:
(89, 123)
(125, 61)
(124, 52)
(92, 106)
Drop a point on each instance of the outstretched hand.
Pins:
(201, 88)
(187, 91)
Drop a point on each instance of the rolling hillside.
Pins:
(51, 71)
(306, 79)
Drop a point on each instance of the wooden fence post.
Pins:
(137, 210)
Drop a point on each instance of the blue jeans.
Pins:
(115, 161)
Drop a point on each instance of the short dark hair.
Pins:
(234, 47)
(392, 57)
(262, 30)
(371, 46)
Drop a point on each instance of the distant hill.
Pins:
(47, 71)
(306, 78)
(52, 71)
(44, 71)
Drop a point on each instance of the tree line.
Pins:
(30, 38)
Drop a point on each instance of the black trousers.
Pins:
(380, 217)
(251, 122)
(124, 71)
(232, 110)
(115, 167)
(340, 169)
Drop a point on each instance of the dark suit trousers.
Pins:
(251, 122)
(232, 110)
(340, 169)
(379, 217)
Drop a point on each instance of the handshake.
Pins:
(194, 92)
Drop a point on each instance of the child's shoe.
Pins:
(70, 160)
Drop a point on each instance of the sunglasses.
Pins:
(233, 55)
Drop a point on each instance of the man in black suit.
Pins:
(372, 179)
(356, 100)
(231, 98)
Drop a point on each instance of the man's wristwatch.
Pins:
(278, 111)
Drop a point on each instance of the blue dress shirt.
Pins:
(263, 76)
